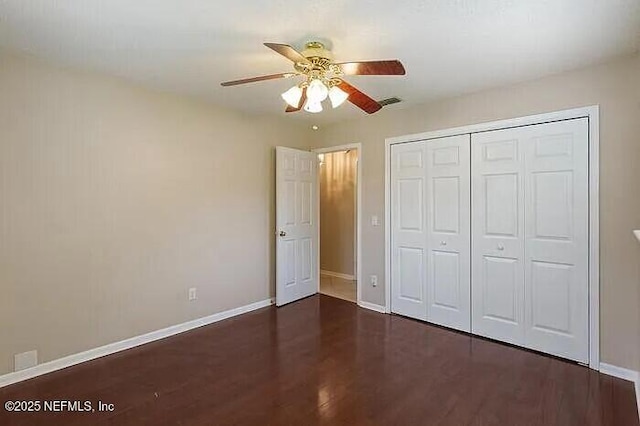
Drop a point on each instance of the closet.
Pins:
(489, 234)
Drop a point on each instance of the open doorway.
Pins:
(339, 206)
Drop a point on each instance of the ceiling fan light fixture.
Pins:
(292, 96)
(317, 91)
(313, 107)
(337, 96)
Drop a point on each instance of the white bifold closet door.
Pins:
(408, 233)
(448, 232)
(530, 237)
(430, 234)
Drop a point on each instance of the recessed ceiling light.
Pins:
(314, 127)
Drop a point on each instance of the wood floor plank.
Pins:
(324, 361)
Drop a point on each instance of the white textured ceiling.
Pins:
(449, 47)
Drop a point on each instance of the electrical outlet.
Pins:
(192, 294)
(374, 280)
(374, 220)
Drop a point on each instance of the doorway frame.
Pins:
(358, 233)
(592, 113)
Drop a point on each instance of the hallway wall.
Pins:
(338, 212)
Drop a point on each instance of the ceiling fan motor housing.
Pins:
(320, 64)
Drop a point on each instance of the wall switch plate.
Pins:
(192, 294)
(374, 220)
(25, 360)
(374, 280)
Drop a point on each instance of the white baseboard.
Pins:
(373, 307)
(623, 373)
(638, 395)
(122, 345)
(337, 275)
(619, 372)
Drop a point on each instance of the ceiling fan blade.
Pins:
(261, 78)
(303, 99)
(287, 51)
(359, 99)
(393, 67)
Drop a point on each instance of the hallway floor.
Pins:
(338, 287)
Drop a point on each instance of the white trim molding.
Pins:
(625, 374)
(122, 345)
(592, 113)
(337, 275)
(358, 277)
(619, 372)
(372, 307)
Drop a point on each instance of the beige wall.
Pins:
(115, 200)
(337, 212)
(616, 88)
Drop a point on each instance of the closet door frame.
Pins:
(589, 112)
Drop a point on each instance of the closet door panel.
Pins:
(530, 237)
(557, 227)
(408, 230)
(448, 232)
(498, 236)
(501, 292)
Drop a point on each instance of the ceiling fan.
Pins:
(323, 78)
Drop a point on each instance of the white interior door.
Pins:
(297, 272)
(497, 160)
(557, 238)
(408, 232)
(448, 232)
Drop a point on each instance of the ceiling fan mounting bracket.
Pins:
(314, 45)
(315, 49)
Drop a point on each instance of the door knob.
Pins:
(283, 234)
(500, 247)
(443, 243)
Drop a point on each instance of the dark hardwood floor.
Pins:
(326, 361)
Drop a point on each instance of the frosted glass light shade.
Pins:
(337, 96)
(313, 106)
(292, 96)
(317, 91)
